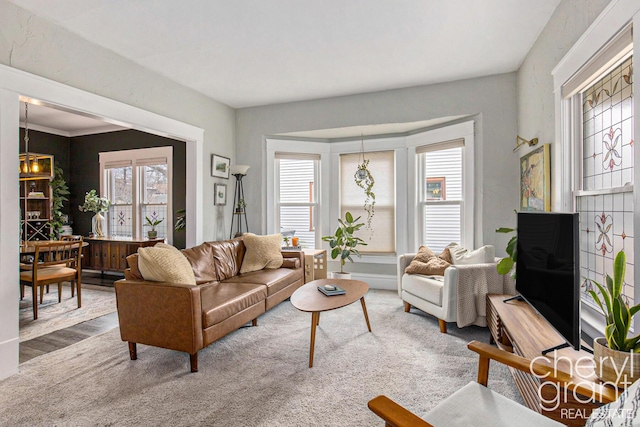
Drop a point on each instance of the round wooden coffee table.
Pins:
(309, 298)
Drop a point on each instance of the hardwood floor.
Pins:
(73, 334)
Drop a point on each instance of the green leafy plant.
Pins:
(364, 179)
(506, 264)
(60, 191)
(343, 243)
(617, 313)
(152, 222)
(181, 220)
(94, 203)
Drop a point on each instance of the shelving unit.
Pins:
(35, 199)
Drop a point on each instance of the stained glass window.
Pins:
(606, 200)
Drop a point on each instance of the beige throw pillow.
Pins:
(261, 252)
(435, 266)
(427, 263)
(165, 263)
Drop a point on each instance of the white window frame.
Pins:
(138, 158)
(470, 231)
(616, 16)
(315, 205)
(275, 145)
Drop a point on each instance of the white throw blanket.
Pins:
(475, 281)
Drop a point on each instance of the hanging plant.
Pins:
(364, 179)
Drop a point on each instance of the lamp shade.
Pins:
(239, 169)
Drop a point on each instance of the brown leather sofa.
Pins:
(190, 317)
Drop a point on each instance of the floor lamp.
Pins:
(239, 171)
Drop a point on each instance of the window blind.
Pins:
(445, 145)
(381, 238)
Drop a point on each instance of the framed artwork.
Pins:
(220, 166)
(220, 194)
(535, 180)
(436, 188)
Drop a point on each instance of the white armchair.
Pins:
(458, 296)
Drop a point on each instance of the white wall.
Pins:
(30, 44)
(490, 100)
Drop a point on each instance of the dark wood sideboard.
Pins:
(110, 254)
(516, 327)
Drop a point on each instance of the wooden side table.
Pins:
(315, 264)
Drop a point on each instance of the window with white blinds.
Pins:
(441, 193)
(381, 238)
(138, 184)
(297, 189)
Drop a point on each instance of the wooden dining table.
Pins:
(29, 247)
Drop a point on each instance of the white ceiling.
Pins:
(248, 53)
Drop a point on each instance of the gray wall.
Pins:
(492, 100)
(536, 115)
(31, 44)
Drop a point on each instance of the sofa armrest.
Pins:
(403, 261)
(299, 255)
(161, 314)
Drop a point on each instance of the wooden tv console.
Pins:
(516, 327)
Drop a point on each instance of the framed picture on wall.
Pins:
(436, 188)
(220, 166)
(220, 194)
(535, 180)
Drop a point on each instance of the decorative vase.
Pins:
(614, 366)
(97, 223)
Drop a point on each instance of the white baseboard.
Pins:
(9, 357)
(377, 281)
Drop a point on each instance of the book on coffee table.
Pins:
(338, 291)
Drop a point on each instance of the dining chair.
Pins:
(73, 238)
(55, 262)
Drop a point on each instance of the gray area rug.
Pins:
(52, 316)
(256, 376)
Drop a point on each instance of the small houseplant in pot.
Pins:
(343, 243)
(613, 352)
(152, 222)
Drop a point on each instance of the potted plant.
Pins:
(181, 220)
(60, 191)
(240, 206)
(152, 222)
(96, 204)
(364, 179)
(343, 243)
(613, 352)
(507, 263)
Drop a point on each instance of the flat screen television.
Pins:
(548, 270)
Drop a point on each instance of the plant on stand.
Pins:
(59, 191)
(613, 351)
(343, 243)
(152, 222)
(96, 204)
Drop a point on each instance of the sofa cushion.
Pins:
(462, 256)
(227, 257)
(201, 259)
(165, 263)
(428, 288)
(261, 252)
(133, 273)
(221, 301)
(274, 279)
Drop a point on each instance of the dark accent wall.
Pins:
(85, 170)
(78, 158)
(46, 143)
